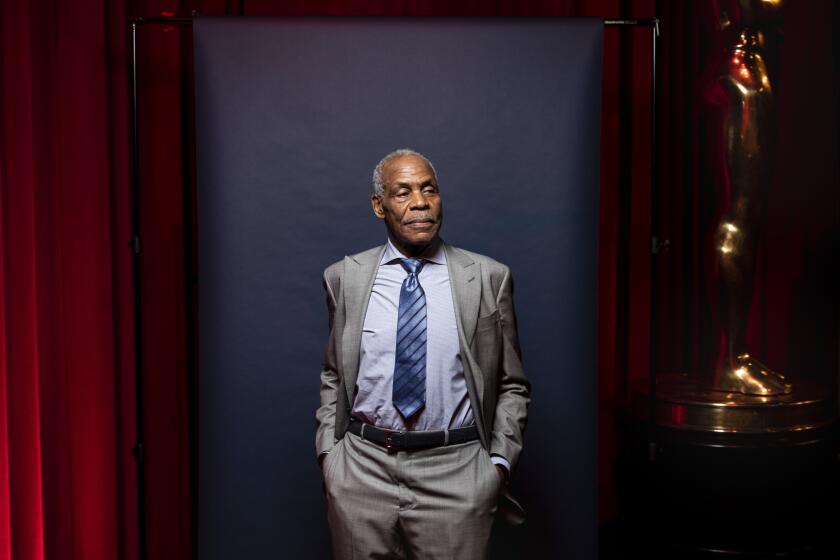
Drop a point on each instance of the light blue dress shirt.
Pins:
(447, 403)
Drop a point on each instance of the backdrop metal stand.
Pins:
(657, 246)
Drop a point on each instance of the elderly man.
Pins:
(423, 397)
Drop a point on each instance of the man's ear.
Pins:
(376, 204)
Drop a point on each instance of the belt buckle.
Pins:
(389, 443)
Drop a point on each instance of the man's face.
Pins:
(411, 205)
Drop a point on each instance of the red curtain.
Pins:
(68, 482)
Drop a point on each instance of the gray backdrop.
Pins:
(292, 116)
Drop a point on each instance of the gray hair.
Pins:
(378, 179)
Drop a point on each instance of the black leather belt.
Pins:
(408, 440)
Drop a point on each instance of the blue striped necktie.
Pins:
(409, 394)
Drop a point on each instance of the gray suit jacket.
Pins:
(482, 290)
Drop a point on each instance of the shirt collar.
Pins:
(434, 253)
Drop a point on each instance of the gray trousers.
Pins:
(426, 504)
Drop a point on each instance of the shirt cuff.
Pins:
(499, 460)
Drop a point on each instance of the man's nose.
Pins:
(418, 200)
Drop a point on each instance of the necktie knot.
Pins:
(412, 266)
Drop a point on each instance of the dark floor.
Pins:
(617, 542)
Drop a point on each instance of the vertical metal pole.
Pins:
(657, 245)
(138, 450)
(657, 249)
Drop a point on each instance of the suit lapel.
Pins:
(466, 290)
(360, 272)
(465, 279)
